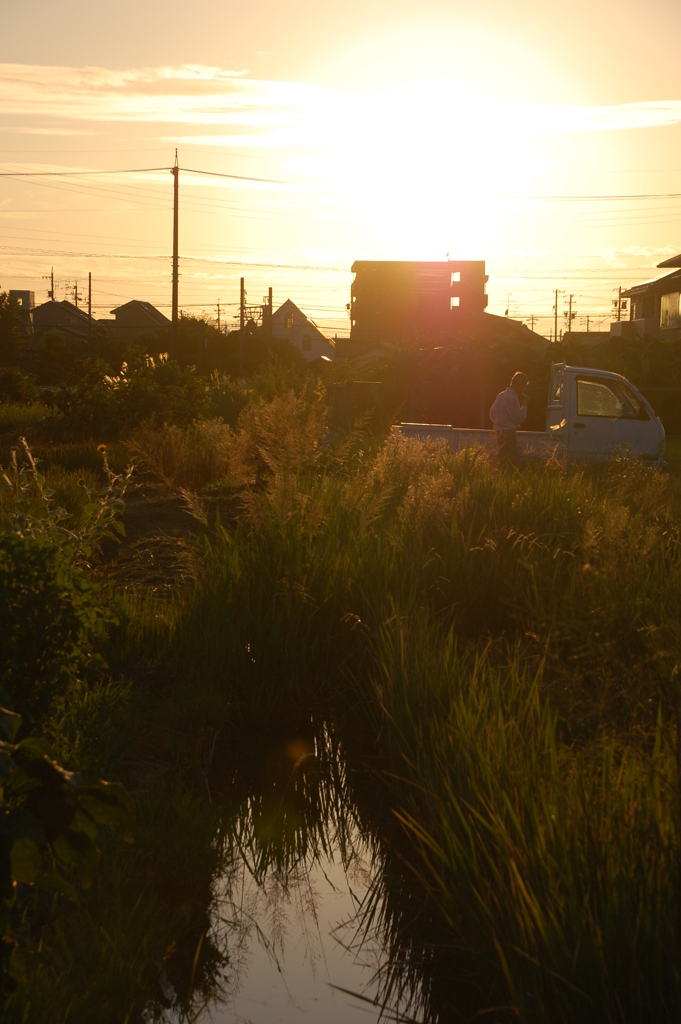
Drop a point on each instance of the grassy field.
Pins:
(505, 643)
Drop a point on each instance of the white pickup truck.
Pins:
(590, 414)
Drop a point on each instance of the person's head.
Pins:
(519, 382)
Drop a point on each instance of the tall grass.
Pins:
(505, 643)
(511, 638)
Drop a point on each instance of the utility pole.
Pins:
(242, 324)
(619, 303)
(532, 319)
(587, 323)
(555, 318)
(75, 294)
(269, 303)
(175, 171)
(218, 316)
(50, 278)
(570, 314)
(89, 305)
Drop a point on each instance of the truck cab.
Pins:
(595, 413)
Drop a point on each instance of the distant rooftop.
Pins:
(674, 261)
(152, 313)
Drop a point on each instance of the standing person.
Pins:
(507, 413)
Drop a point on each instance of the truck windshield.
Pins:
(608, 398)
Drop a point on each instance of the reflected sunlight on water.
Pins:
(294, 945)
(303, 920)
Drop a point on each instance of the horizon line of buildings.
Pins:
(392, 302)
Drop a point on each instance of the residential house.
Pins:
(654, 306)
(133, 319)
(67, 319)
(290, 324)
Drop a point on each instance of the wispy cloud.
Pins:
(291, 113)
(621, 117)
(190, 95)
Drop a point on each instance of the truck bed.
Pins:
(532, 444)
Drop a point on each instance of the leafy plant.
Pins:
(51, 615)
(49, 820)
(17, 386)
(32, 511)
(51, 621)
(107, 406)
(11, 325)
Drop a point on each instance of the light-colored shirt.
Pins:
(507, 413)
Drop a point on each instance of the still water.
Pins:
(312, 915)
(297, 959)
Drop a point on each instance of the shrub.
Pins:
(50, 615)
(59, 360)
(50, 619)
(227, 396)
(28, 506)
(106, 407)
(46, 810)
(282, 371)
(17, 386)
(188, 457)
(279, 436)
(11, 327)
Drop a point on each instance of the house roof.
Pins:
(675, 261)
(155, 315)
(290, 307)
(66, 307)
(298, 331)
(64, 316)
(668, 283)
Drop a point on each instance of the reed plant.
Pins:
(504, 643)
(511, 639)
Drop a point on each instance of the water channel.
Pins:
(317, 915)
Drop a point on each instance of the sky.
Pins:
(378, 130)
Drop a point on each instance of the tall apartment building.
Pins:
(415, 303)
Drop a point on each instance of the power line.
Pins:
(139, 170)
(607, 197)
(236, 177)
(73, 174)
(596, 198)
(15, 250)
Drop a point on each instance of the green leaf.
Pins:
(9, 724)
(109, 804)
(52, 882)
(21, 824)
(76, 849)
(84, 823)
(36, 747)
(25, 861)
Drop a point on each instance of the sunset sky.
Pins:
(386, 130)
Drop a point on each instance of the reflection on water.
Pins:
(317, 916)
(290, 951)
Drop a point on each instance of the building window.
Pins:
(454, 302)
(670, 312)
(307, 343)
(289, 321)
(456, 276)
